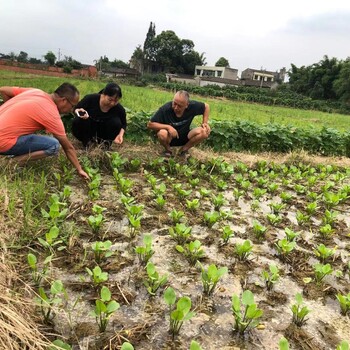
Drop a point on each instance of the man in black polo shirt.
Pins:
(172, 123)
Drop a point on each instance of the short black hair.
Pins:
(67, 90)
(112, 89)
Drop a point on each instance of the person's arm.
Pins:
(71, 154)
(120, 137)
(155, 126)
(205, 124)
(6, 92)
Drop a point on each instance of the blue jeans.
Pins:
(31, 143)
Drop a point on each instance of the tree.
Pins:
(34, 60)
(222, 62)
(50, 58)
(119, 64)
(342, 84)
(148, 47)
(22, 57)
(138, 53)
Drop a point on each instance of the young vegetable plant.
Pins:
(195, 346)
(180, 233)
(211, 218)
(259, 230)
(237, 193)
(38, 274)
(274, 219)
(193, 251)
(344, 345)
(248, 317)
(180, 314)
(344, 302)
(51, 241)
(160, 202)
(210, 277)
(56, 212)
(95, 222)
(299, 311)
(227, 233)
(218, 201)
(134, 214)
(270, 277)
(145, 252)
(329, 217)
(326, 231)
(284, 247)
(243, 250)
(283, 344)
(153, 281)
(323, 252)
(194, 182)
(291, 235)
(302, 218)
(104, 308)
(176, 216)
(97, 275)
(48, 300)
(276, 208)
(102, 250)
(192, 205)
(321, 271)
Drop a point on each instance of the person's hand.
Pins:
(173, 132)
(83, 174)
(81, 113)
(118, 140)
(206, 127)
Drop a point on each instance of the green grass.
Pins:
(148, 99)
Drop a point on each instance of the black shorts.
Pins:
(182, 140)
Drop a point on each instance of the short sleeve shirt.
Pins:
(166, 115)
(30, 110)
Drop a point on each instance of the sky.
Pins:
(254, 34)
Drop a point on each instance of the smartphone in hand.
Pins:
(81, 113)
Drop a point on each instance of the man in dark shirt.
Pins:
(172, 123)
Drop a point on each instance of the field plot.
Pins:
(146, 232)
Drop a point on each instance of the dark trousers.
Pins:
(86, 130)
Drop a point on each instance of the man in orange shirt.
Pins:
(28, 110)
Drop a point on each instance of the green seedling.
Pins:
(211, 218)
(274, 219)
(37, 273)
(151, 179)
(159, 190)
(60, 344)
(299, 189)
(117, 161)
(48, 300)
(344, 302)
(323, 252)
(56, 212)
(180, 233)
(272, 188)
(302, 218)
(66, 193)
(104, 308)
(51, 240)
(145, 252)
(97, 275)
(221, 185)
(286, 197)
(125, 185)
(127, 201)
(134, 214)
(245, 185)
(204, 192)
(276, 208)
(97, 209)
(247, 318)
(312, 196)
(299, 312)
(94, 185)
(126, 346)
(218, 201)
(192, 205)
(329, 217)
(193, 251)
(283, 344)
(311, 181)
(259, 192)
(311, 208)
(270, 277)
(95, 222)
(195, 346)
(237, 193)
(226, 214)
(331, 199)
(259, 230)
(284, 247)
(291, 235)
(135, 164)
(194, 182)
(243, 250)
(102, 250)
(255, 205)
(321, 271)
(211, 277)
(344, 345)
(176, 216)
(227, 233)
(160, 202)
(180, 314)
(326, 231)
(154, 281)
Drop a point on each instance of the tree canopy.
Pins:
(222, 62)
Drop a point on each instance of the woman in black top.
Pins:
(100, 118)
